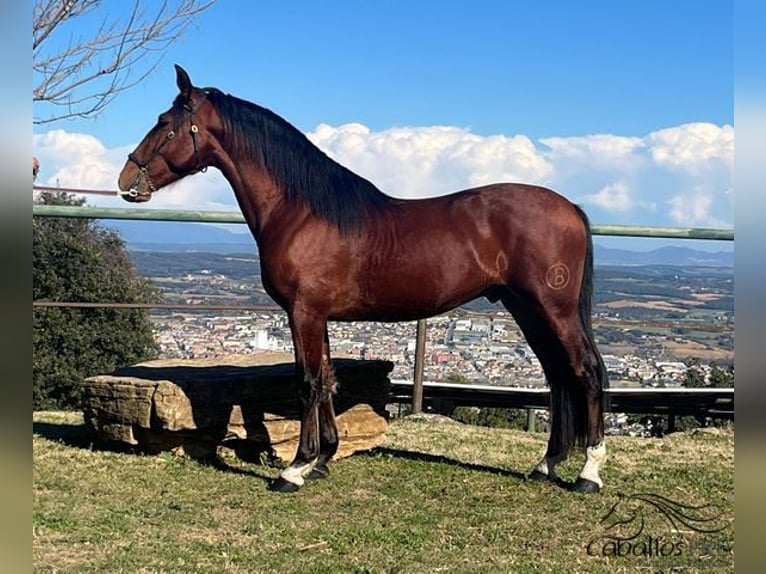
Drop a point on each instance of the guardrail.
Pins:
(444, 394)
(237, 218)
(671, 402)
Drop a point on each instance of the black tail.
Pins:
(569, 404)
(586, 306)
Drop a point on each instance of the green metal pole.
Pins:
(236, 217)
(138, 214)
(664, 232)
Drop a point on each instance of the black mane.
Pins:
(305, 173)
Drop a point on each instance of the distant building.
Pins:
(670, 367)
(263, 341)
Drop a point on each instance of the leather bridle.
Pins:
(143, 172)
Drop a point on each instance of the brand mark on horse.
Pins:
(557, 276)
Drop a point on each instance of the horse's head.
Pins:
(178, 145)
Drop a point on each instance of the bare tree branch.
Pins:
(76, 75)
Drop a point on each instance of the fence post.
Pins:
(420, 356)
(531, 420)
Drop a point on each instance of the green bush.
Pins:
(78, 260)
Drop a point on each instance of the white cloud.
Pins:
(626, 179)
(694, 209)
(614, 197)
(596, 149)
(434, 160)
(681, 175)
(74, 160)
(693, 147)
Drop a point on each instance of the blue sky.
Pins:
(624, 107)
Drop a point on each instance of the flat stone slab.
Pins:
(193, 406)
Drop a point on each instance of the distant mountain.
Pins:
(663, 256)
(176, 237)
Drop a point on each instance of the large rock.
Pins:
(194, 406)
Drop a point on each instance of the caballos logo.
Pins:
(663, 531)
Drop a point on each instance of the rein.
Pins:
(143, 173)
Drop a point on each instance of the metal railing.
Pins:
(233, 217)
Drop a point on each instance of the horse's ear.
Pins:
(183, 81)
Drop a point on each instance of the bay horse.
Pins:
(333, 247)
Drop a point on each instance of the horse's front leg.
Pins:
(308, 337)
(328, 427)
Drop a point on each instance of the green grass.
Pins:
(438, 498)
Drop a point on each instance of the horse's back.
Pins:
(499, 215)
(427, 256)
(515, 198)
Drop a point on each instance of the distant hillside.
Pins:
(175, 237)
(663, 256)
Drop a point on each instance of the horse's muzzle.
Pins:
(135, 185)
(135, 196)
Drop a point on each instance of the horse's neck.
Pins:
(257, 194)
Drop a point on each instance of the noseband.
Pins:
(143, 172)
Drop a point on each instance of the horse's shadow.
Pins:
(79, 436)
(441, 459)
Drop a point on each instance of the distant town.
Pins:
(479, 349)
(651, 324)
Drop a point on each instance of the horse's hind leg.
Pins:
(544, 343)
(593, 379)
(590, 376)
(575, 374)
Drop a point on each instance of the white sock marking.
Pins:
(595, 456)
(542, 466)
(547, 465)
(296, 474)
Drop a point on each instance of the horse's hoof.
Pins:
(279, 484)
(586, 486)
(539, 476)
(319, 471)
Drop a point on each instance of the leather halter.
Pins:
(142, 165)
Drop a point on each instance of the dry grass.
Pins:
(699, 351)
(440, 497)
